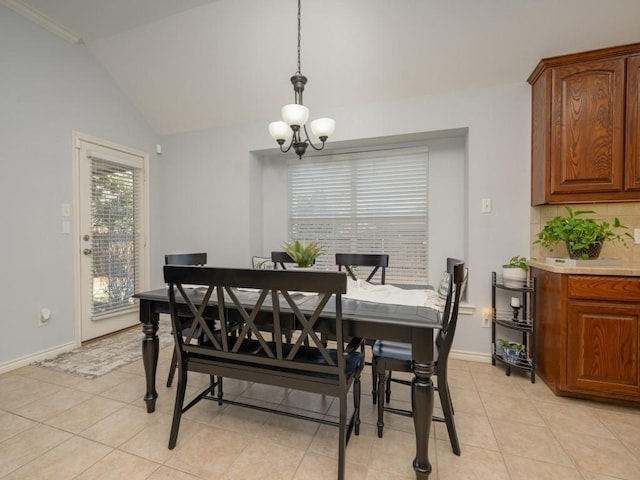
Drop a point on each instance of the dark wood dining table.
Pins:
(363, 319)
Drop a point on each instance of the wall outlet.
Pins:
(636, 236)
(486, 319)
(43, 316)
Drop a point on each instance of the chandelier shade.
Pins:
(295, 116)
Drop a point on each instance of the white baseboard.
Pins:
(470, 356)
(21, 362)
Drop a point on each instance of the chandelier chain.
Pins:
(299, 70)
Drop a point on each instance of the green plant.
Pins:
(517, 262)
(579, 233)
(303, 253)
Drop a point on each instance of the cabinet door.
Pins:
(587, 129)
(632, 177)
(602, 348)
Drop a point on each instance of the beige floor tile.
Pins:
(50, 376)
(119, 427)
(118, 465)
(289, 431)
(625, 425)
(107, 382)
(319, 467)
(166, 473)
(16, 391)
(473, 464)
(240, 419)
(11, 425)
(266, 393)
(28, 445)
(599, 455)
(52, 405)
(395, 451)
(265, 461)
(497, 381)
(85, 414)
(473, 430)
(573, 418)
(130, 390)
(541, 444)
(517, 409)
(528, 469)
(380, 475)
(209, 452)
(307, 401)
(152, 442)
(64, 461)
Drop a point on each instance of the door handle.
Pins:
(87, 251)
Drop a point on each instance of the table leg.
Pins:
(150, 349)
(422, 400)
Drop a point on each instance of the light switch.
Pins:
(66, 227)
(486, 205)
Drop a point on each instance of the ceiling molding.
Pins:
(42, 20)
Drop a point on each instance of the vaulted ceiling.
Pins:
(195, 64)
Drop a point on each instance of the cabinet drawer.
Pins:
(604, 287)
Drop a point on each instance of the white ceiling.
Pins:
(195, 64)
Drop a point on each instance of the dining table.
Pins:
(360, 318)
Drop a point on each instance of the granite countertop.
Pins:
(621, 270)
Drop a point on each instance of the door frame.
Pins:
(77, 138)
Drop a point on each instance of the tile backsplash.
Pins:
(628, 213)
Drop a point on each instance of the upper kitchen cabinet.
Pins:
(585, 127)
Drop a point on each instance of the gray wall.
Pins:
(49, 88)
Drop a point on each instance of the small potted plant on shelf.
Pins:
(514, 273)
(512, 352)
(583, 237)
(304, 254)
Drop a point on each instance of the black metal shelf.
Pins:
(524, 323)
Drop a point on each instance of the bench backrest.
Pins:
(274, 293)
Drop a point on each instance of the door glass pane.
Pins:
(113, 225)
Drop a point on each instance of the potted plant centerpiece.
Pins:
(514, 273)
(583, 237)
(304, 254)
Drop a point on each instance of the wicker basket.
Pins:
(592, 251)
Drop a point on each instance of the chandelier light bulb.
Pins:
(323, 127)
(295, 114)
(280, 131)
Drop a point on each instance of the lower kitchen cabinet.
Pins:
(588, 334)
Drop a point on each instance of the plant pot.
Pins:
(512, 355)
(587, 253)
(514, 277)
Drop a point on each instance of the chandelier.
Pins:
(295, 115)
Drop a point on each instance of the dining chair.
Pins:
(306, 366)
(396, 356)
(281, 258)
(378, 262)
(182, 259)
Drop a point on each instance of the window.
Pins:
(374, 202)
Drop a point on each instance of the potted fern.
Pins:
(304, 254)
(514, 273)
(583, 237)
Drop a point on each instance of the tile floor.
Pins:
(57, 426)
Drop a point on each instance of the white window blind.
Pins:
(116, 200)
(364, 203)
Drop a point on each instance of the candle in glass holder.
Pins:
(515, 302)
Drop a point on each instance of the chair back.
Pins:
(444, 340)
(379, 261)
(280, 258)
(185, 259)
(245, 295)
